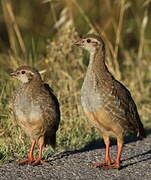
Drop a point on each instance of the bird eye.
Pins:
(88, 40)
(23, 72)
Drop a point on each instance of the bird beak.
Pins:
(12, 74)
(78, 43)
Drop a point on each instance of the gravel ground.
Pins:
(75, 165)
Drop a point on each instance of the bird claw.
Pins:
(112, 166)
(39, 162)
(102, 164)
(29, 160)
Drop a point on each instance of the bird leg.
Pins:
(39, 159)
(116, 163)
(30, 155)
(107, 160)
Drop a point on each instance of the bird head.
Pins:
(90, 42)
(26, 74)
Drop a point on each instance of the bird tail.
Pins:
(140, 127)
(141, 132)
(51, 140)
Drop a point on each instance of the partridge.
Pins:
(37, 111)
(106, 102)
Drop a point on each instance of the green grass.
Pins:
(63, 66)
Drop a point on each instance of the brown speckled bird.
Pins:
(37, 111)
(106, 102)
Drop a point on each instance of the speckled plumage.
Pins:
(36, 108)
(107, 103)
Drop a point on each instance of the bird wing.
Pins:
(53, 105)
(51, 114)
(126, 107)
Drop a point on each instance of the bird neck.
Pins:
(36, 82)
(97, 62)
(37, 79)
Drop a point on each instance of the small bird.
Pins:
(106, 102)
(37, 111)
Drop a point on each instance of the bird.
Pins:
(36, 110)
(107, 103)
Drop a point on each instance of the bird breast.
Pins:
(91, 98)
(26, 108)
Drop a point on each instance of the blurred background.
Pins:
(41, 33)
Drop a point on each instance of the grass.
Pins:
(124, 27)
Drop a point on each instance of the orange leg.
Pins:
(30, 155)
(107, 160)
(39, 159)
(116, 163)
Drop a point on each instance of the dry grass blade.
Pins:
(141, 47)
(11, 33)
(12, 27)
(91, 25)
(118, 36)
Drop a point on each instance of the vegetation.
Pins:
(42, 33)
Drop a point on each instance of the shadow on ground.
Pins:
(138, 161)
(99, 144)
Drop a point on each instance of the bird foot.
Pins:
(112, 166)
(39, 162)
(29, 160)
(102, 164)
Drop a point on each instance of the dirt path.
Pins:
(75, 165)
